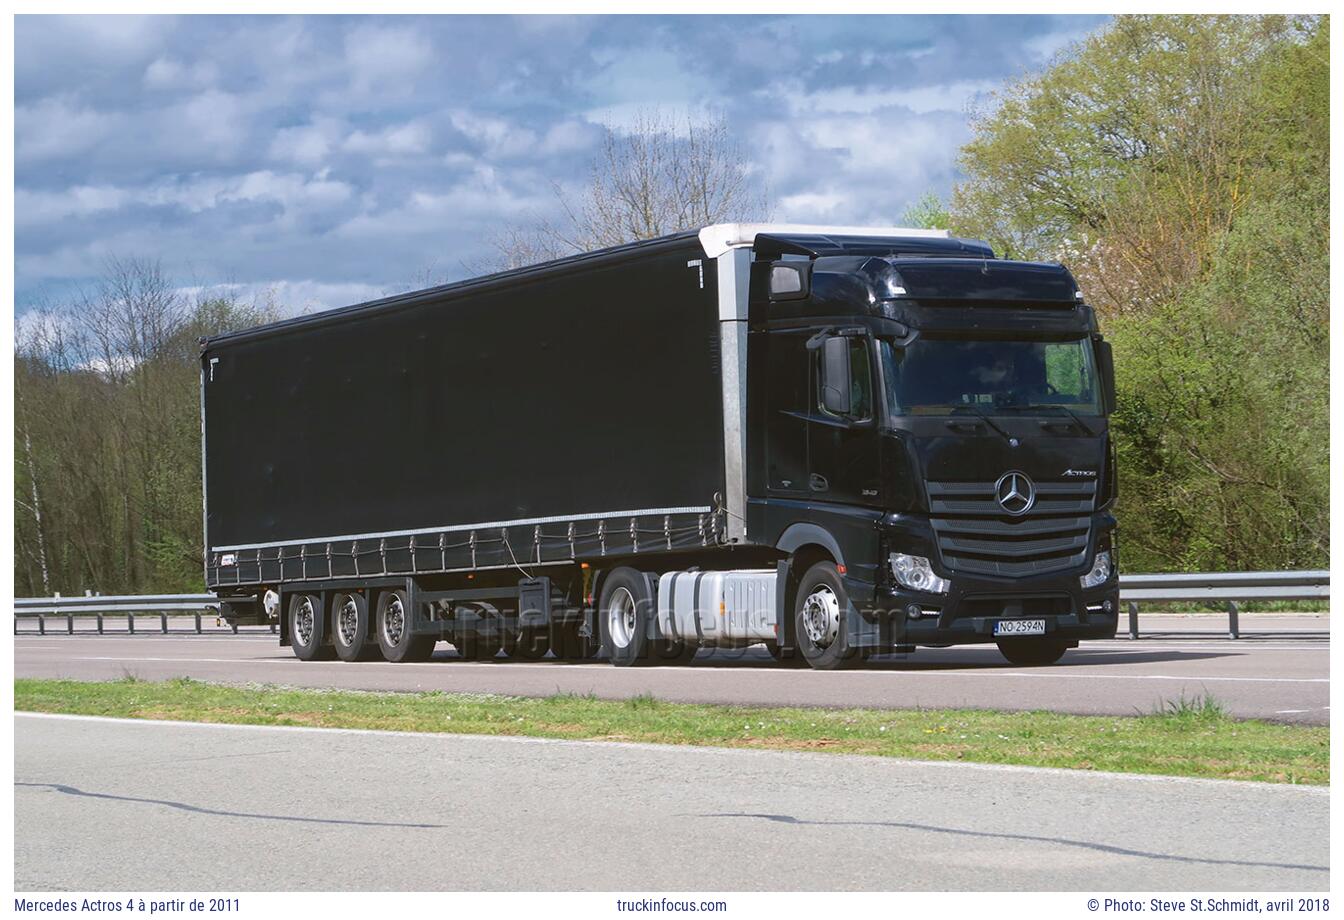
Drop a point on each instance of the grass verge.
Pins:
(1179, 738)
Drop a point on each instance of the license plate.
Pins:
(1019, 628)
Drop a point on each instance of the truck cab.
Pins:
(936, 418)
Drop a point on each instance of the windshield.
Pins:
(933, 376)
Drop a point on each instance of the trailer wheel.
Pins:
(1032, 652)
(819, 611)
(350, 626)
(393, 626)
(308, 628)
(623, 613)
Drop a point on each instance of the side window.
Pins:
(861, 381)
(1065, 373)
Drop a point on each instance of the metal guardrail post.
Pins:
(41, 624)
(100, 622)
(69, 624)
(1233, 622)
(130, 622)
(163, 621)
(272, 628)
(1133, 620)
(198, 622)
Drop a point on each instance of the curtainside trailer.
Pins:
(835, 441)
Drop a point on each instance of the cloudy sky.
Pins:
(334, 159)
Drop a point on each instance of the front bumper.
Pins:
(973, 604)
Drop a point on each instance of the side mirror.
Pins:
(1106, 367)
(835, 377)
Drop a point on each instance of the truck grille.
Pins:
(976, 536)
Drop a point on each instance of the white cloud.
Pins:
(385, 59)
(295, 193)
(395, 140)
(498, 137)
(165, 73)
(291, 297)
(308, 144)
(33, 208)
(946, 97)
(58, 127)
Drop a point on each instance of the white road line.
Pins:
(921, 674)
(692, 750)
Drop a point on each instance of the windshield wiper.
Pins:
(1073, 415)
(987, 420)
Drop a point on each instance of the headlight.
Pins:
(914, 572)
(1101, 570)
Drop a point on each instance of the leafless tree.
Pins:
(657, 176)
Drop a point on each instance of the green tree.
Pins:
(1179, 165)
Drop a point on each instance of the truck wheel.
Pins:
(819, 612)
(1032, 652)
(393, 626)
(308, 628)
(623, 612)
(350, 626)
(529, 645)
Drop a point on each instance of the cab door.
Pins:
(843, 457)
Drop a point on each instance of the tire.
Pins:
(350, 626)
(529, 645)
(623, 613)
(308, 628)
(392, 626)
(820, 609)
(1033, 652)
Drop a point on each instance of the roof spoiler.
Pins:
(719, 238)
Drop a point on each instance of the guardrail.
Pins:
(1214, 588)
(101, 605)
(1219, 588)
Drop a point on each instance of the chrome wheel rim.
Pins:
(821, 616)
(394, 621)
(303, 621)
(621, 618)
(347, 620)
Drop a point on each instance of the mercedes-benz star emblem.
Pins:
(1015, 492)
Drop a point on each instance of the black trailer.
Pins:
(660, 447)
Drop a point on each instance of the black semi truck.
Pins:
(835, 441)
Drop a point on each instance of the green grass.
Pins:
(1178, 738)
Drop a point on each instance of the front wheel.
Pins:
(820, 611)
(1033, 652)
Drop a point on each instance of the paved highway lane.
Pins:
(111, 805)
(1285, 679)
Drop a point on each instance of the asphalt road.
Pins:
(112, 805)
(1281, 678)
